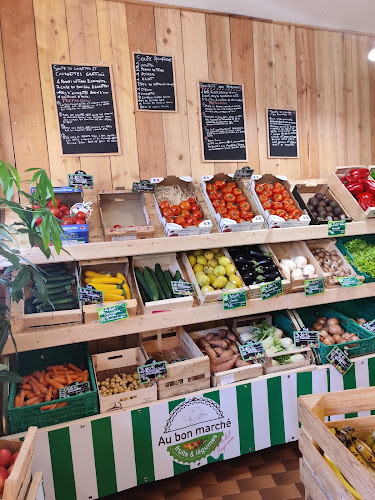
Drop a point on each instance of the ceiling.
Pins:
(358, 15)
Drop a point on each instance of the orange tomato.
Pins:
(280, 213)
(167, 212)
(267, 204)
(277, 197)
(184, 213)
(259, 188)
(248, 216)
(276, 205)
(180, 220)
(285, 194)
(185, 205)
(240, 198)
(169, 219)
(296, 214)
(198, 215)
(176, 209)
(267, 187)
(164, 204)
(222, 211)
(229, 197)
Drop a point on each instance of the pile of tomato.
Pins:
(61, 210)
(229, 201)
(277, 200)
(186, 214)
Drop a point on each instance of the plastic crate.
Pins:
(353, 309)
(366, 344)
(283, 320)
(83, 405)
(368, 238)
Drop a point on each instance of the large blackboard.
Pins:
(85, 109)
(223, 124)
(154, 81)
(282, 133)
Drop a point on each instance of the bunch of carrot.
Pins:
(43, 386)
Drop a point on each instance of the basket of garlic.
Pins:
(335, 329)
(276, 335)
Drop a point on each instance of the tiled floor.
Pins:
(270, 474)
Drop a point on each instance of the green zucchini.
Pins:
(168, 278)
(157, 284)
(177, 276)
(163, 283)
(150, 283)
(143, 293)
(59, 277)
(141, 280)
(59, 284)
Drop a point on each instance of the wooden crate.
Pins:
(123, 361)
(36, 490)
(346, 200)
(113, 266)
(216, 295)
(329, 245)
(166, 261)
(127, 209)
(253, 370)
(291, 250)
(316, 439)
(28, 322)
(190, 375)
(17, 484)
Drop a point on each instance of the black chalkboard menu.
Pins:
(85, 109)
(223, 123)
(154, 80)
(282, 133)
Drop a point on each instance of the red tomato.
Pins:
(215, 204)
(74, 219)
(296, 214)
(38, 221)
(229, 197)
(271, 211)
(234, 214)
(185, 205)
(267, 187)
(276, 189)
(117, 226)
(198, 215)
(276, 205)
(81, 221)
(267, 205)
(164, 204)
(230, 205)
(81, 215)
(278, 185)
(288, 200)
(222, 211)
(220, 184)
(184, 213)
(64, 206)
(196, 223)
(180, 220)
(249, 216)
(263, 198)
(268, 193)
(35, 206)
(221, 204)
(195, 207)
(280, 213)
(66, 211)
(167, 212)
(169, 219)
(290, 207)
(210, 187)
(277, 197)
(213, 195)
(245, 206)
(67, 221)
(56, 212)
(231, 184)
(241, 198)
(176, 209)
(187, 224)
(259, 188)
(57, 203)
(192, 200)
(190, 221)
(237, 191)
(285, 194)
(227, 189)
(219, 195)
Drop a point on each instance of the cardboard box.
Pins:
(223, 224)
(172, 229)
(273, 221)
(126, 209)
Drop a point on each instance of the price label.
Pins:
(349, 281)
(314, 287)
(336, 227)
(252, 350)
(89, 295)
(143, 187)
(182, 288)
(305, 338)
(243, 173)
(370, 326)
(81, 179)
(271, 289)
(339, 360)
(154, 371)
(108, 314)
(234, 300)
(74, 389)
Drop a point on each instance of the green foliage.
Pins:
(363, 254)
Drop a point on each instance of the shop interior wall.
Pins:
(324, 75)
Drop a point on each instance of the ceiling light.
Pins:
(371, 54)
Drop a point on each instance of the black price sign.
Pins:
(339, 360)
(282, 133)
(235, 300)
(370, 326)
(271, 289)
(243, 173)
(314, 287)
(143, 187)
(182, 288)
(252, 350)
(74, 389)
(154, 371)
(81, 179)
(305, 338)
(89, 295)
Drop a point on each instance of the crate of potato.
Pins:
(118, 382)
(213, 273)
(112, 278)
(226, 364)
(37, 400)
(188, 368)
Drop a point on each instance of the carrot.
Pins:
(54, 391)
(55, 371)
(68, 378)
(36, 374)
(26, 387)
(34, 401)
(73, 367)
(61, 380)
(54, 384)
(58, 367)
(49, 393)
(29, 395)
(17, 402)
(80, 379)
(43, 382)
(74, 377)
(40, 386)
(22, 398)
(85, 377)
(61, 405)
(48, 407)
(35, 389)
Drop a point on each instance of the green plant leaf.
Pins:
(21, 279)
(7, 376)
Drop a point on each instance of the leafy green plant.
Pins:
(19, 271)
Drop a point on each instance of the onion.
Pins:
(337, 338)
(334, 329)
(323, 333)
(341, 341)
(361, 321)
(332, 321)
(288, 263)
(300, 261)
(328, 341)
(345, 335)
(297, 274)
(317, 326)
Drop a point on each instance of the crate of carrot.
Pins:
(37, 400)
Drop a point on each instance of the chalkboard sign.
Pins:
(222, 120)
(314, 286)
(339, 360)
(81, 179)
(336, 227)
(349, 281)
(154, 81)
(74, 389)
(116, 312)
(243, 173)
(89, 295)
(282, 133)
(370, 326)
(182, 288)
(154, 371)
(252, 350)
(144, 186)
(235, 300)
(305, 338)
(271, 289)
(85, 109)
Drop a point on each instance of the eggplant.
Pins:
(240, 259)
(263, 262)
(271, 276)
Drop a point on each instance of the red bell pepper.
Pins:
(366, 200)
(355, 187)
(369, 186)
(360, 173)
(348, 179)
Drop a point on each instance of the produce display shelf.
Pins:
(153, 246)
(41, 338)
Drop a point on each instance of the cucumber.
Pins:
(143, 293)
(141, 280)
(65, 300)
(168, 278)
(150, 283)
(157, 284)
(59, 277)
(163, 283)
(177, 276)
(59, 284)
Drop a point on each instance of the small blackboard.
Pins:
(314, 286)
(243, 173)
(370, 326)
(234, 300)
(81, 179)
(268, 290)
(154, 82)
(85, 109)
(74, 389)
(89, 295)
(252, 350)
(339, 360)
(154, 371)
(182, 288)
(144, 186)
(336, 227)
(223, 122)
(108, 314)
(305, 338)
(349, 281)
(282, 133)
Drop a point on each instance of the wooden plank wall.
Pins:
(325, 75)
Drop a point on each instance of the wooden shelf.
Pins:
(41, 338)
